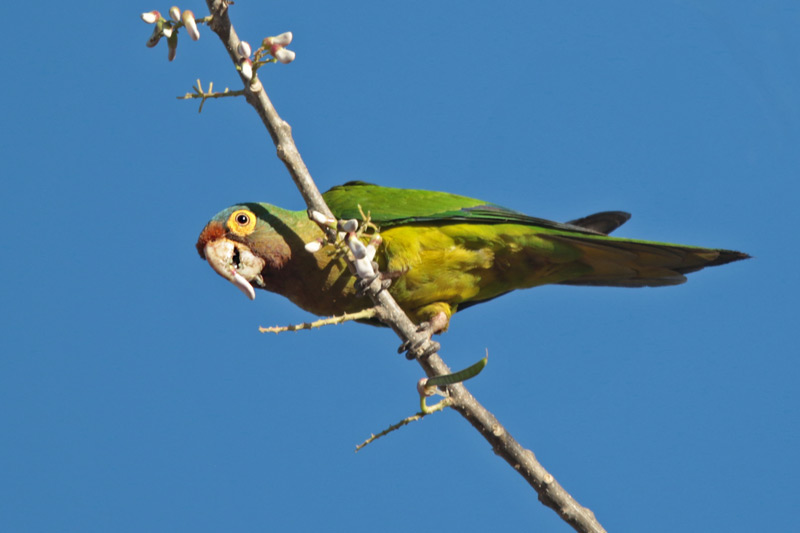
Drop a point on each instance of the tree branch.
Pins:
(551, 493)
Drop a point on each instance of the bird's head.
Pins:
(242, 245)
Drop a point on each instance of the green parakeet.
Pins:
(444, 252)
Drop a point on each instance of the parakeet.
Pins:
(443, 252)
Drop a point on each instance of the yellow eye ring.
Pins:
(242, 222)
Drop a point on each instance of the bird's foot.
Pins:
(363, 284)
(421, 346)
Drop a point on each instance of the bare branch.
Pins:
(404, 422)
(205, 95)
(365, 314)
(551, 493)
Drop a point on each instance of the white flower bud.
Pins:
(348, 225)
(357, 247)
(364, 268)
(175, 13)
(313, 247)
(167, 32)
(321, 219)
(247, 69)
(283, 55)
(151, 17)
(191, 26)
(244, 49)
(284, 39)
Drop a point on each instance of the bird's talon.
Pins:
(415, 353)
(414, 349)
(433, 347)
(363, 285)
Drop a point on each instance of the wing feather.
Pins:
(393, 207)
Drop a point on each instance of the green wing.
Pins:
(393, 207)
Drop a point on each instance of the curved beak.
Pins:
(235, 262)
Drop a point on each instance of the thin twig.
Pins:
(551, 493)
(205, 95)
(404, 422)
(360, 315)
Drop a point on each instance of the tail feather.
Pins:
(629, 263)
(604, 222)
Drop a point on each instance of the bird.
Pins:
(442, 252)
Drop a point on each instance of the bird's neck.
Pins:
(302, 273)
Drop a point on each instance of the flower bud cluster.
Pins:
(363, 254)
(169, 28)
(245, 63)
(276, 46)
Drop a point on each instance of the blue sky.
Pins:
(136, 393)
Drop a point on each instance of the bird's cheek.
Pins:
(249, 265)
(236, 263)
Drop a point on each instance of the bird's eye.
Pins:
(242, 222)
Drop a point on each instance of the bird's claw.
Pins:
(415, 351)
(414, 348)
(363, 284)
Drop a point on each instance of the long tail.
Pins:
(629, 263)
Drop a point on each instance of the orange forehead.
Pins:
(213, 231)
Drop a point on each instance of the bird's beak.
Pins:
(235, 262)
